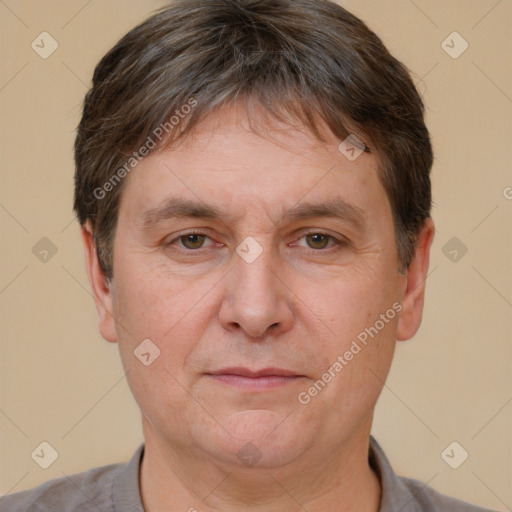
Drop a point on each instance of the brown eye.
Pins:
(317, 240)
(193, 241)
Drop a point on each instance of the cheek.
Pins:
(151, 299)
(150, 306)
(359, 313)
(350, 300)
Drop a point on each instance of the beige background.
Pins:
(61, 383)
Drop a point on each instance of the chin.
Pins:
(260, 438)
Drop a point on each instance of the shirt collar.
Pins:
(395, 495)
(126, 489)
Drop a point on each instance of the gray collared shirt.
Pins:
(115, 488)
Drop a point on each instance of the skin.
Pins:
(298, 307)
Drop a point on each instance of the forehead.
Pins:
(232, 164)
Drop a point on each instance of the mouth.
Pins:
(255, 380)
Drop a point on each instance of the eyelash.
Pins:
(338, 242)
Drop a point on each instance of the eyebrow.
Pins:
(335, 208)
(175, 208)
(179, 209)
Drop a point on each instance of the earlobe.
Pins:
(414, 288)
(99, 285)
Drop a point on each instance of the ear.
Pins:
(414, 286)
(99, 285)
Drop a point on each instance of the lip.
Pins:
(255, 380)
(247, 372)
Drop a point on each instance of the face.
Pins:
(264, 270)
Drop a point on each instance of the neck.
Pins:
(176, 478)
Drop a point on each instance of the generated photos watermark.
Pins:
(304, 397)
(159, 133)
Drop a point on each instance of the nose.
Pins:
(257, 300)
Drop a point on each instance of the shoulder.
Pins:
(407, 494)
(427, 499)
(82, 492)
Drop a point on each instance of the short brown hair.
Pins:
(305, 60)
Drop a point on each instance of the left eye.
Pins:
(193, 240)
(318, 240)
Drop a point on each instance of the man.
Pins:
(252, 181)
